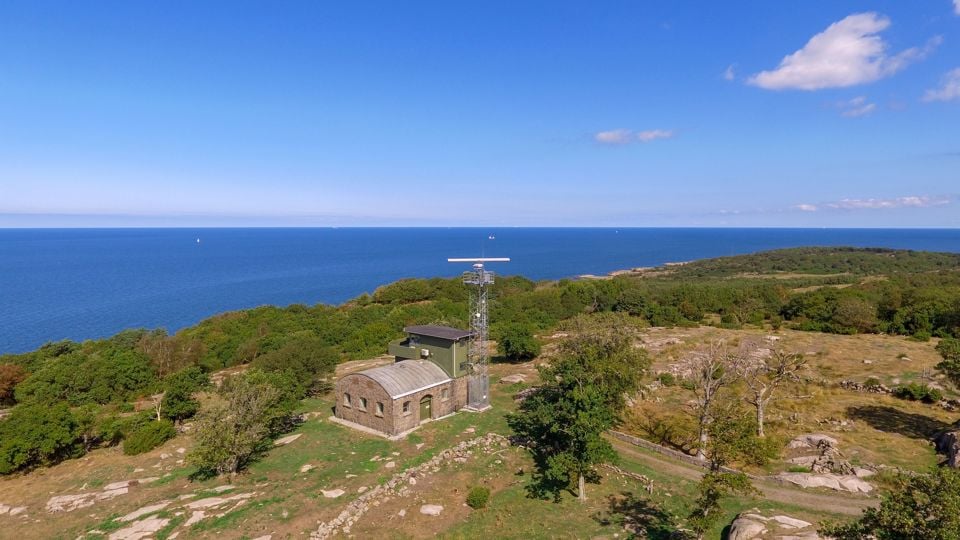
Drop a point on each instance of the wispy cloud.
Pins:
(913, 201)
(949, 86)
(730, 74)
(849, 52)
(624, 136)
(956, 6)
(858, 106)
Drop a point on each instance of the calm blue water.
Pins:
(87, 283)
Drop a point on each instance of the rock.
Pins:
(211, 502)
(287, 440)
(791, 523)
(514, 379)
(413, 481)
(470, 429)
(948, 443)
(221, 489)
(419, 445)
(140, 529)
(307, 468)
(17, 510)
(390, 464)
(744, 528)
(863, 473)
(181, 450)
(145, 511)
(868, 361)
(361, 489)
(264, 537)
(333, 493)
(195, 518)
(431, 509)
(812, 440)
(165, 456)
(402, 512)
(830, 481)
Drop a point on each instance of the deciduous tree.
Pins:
(763, 376)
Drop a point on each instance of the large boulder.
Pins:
(948, 443)
(813, 440)
(752, 525)
(746, 528)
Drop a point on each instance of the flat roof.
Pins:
(442, 332)
(407, 377)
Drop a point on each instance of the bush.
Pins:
(38, 435)
(516, 342)
(872, 382)
(667, 379)
(478, 497)
(918, 392)
(148, 437)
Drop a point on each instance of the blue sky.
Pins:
(666, 113)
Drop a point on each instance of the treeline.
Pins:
(57, 384)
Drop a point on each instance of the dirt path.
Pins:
(841, 503)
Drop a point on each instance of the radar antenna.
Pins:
(478, 382)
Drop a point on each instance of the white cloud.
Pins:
(729, 74)
(949, 86)
(956, 6)
(624, 136)
(913, 201)
(849, 52)
(654, 134)
(615, 136)
(858, 106)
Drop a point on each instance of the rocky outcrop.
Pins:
(753, 526)
(838, 482)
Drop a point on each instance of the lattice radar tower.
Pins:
(478, 356)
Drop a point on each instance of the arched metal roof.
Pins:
(407, 376)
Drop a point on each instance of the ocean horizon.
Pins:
(94, 282)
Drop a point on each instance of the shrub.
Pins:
(148, 437)
(36, 435)
(516, 342)
(921, 335)
(918, 392)
(478, 497)
(872, 382)
(667, 379)
(10, 376)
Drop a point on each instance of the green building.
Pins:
(441, 345)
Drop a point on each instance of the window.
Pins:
(445, 393)
(406, 407)
(379, 408)
(363, 404)
(346, 400)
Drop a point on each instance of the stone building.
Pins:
(426, 382)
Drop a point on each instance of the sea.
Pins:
(91, 283)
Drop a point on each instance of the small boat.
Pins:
(198, 240)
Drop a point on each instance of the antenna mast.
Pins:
(478, 384)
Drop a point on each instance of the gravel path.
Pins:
(841, 503)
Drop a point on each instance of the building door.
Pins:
(426, 404)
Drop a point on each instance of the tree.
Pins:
(732, 438)
(564, 420)
(922, 506)
(232, 432)
(36, 435)
(764, 376)
(709, 370)
(516, 342)
(949, 349)
(10, 376)
(178, 402)
(305, 358)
